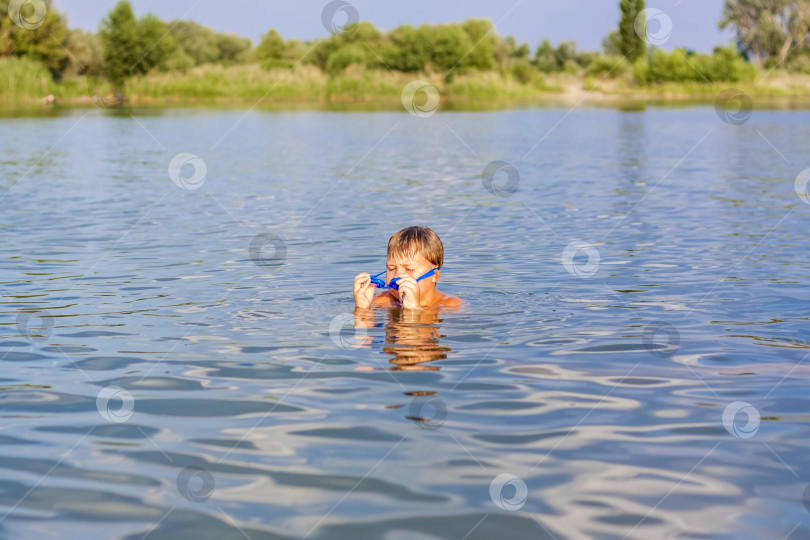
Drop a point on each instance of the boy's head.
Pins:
(414, 251)
(412, 241)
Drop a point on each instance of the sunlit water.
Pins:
(194, 387)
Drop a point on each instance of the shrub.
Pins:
(680, 65)
(407, 51)
(641, 71)
(571, 67)
(344, 57)
(800, 64)
(523, 71)
(608, 66)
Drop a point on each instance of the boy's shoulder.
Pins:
(387, 299)
(449, 301)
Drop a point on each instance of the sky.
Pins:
(694, 22)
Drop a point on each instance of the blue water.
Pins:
(186, 363)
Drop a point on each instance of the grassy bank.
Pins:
(26, 83)
(23, 82)
(303, 83)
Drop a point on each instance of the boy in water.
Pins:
(412, 253)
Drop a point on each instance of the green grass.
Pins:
(241, 81)
(496, 86)
(25, 82)
(305, 83)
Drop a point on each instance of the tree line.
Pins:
(771, 32)
(768, 33)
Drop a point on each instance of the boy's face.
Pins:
(410, 265)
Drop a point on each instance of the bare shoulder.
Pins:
(450, 301)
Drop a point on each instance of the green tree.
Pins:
(274, 51)
(507, 48)
(86, 54)
(566, 52)
(768, 28)
(179, 61)
(358, 43)
(41, 41)
(271, 48)
(361, 32)
(631, 45)
(232, 48)
(119, 36)
(346, 56)
(195, 40)
(522, 51)
(484, 41)
(406, 50)
(322, 49)
(297, 51)
(155, 43)
(612, 44)
(544, 57)
(796, 21)
(746, 18)
(134, 46)
(204, 46)
(448, 46)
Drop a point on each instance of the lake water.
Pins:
(180, 359)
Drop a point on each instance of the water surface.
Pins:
(184, 363)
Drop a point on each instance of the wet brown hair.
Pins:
(417, 240)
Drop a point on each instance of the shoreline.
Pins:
(449, 103)
(310, 89)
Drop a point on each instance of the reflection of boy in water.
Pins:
(412, 252)
(408, 338)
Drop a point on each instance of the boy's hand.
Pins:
(409, 293)
(363, 290)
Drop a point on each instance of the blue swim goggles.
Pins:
(378, 282)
